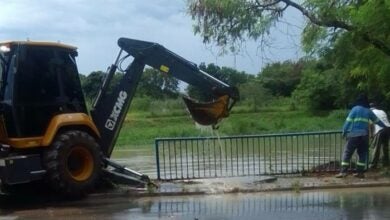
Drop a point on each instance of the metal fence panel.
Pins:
(272, 154)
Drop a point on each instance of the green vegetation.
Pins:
(346, 42)
(348, 52)
(170, 119)
(284, 97)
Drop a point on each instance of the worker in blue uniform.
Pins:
(356, 131)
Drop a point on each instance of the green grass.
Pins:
(143, 130)
(161, 120)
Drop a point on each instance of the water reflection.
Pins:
(142, 160)
(363, 203)
(335, 204)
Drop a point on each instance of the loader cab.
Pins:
(38, 81)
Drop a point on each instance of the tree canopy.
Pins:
(153, 84)
(351, 36)
(156, 84)
(228, 21)
(281, 78)
(226, 74)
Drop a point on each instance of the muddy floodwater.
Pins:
(142, 160)
(362, 203)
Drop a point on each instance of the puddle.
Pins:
(362, 203)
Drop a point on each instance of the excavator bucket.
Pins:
(208, 113)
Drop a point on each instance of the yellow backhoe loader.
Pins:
(46, 131)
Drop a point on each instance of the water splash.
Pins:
(204, 129)
(208, 130)
(216, 132)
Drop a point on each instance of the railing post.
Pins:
(157, 158)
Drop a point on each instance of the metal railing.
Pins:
(272, 154)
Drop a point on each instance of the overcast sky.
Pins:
(95, 25)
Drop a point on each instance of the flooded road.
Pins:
(142, 160)
(361, 203)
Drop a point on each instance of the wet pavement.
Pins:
(265, 197)
(249, 184)
(361, 203)
(318, 196)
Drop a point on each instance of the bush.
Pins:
(338, 114)
(319, 90)
(140, 104)
(169, 107)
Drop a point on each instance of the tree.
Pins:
(321, 87)
(228, 75)
(91, 84)
(354, 31)
(152, 84)
(158, 85)
(281, 78)
(254, 93)
(228, 21)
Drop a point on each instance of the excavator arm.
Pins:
(110, 108)
(158, 57)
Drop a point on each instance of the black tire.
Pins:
(73, 163)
